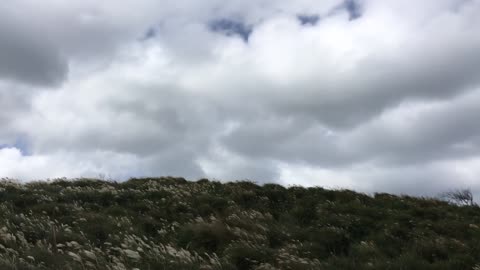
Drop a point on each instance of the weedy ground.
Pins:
(171, 223)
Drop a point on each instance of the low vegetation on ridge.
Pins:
(171, 223)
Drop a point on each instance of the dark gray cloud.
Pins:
(376, 85)
(39, 43)
(444, 130)
(15, 103)
(406, 136)
(27, 57)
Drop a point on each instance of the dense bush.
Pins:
(171, 223)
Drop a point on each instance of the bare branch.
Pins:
(459, 196)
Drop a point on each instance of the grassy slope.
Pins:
(170, 223)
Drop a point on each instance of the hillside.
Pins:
(170, 223)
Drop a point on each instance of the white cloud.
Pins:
(16, 165)
(310, 177)
(348, 103)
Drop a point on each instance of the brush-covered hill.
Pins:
(171, 223)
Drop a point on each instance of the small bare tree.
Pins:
(459, 196)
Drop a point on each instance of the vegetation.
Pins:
(170, 223)
(459, 196)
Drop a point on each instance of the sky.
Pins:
(370, 95)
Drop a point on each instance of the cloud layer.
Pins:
(371, 95)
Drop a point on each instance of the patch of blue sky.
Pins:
(21, 143)
(150, 33)
(353, 7)
(231, 27)
(308, 19)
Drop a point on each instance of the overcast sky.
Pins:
(371, 95)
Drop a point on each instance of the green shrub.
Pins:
(245, 256)
(205, 237)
